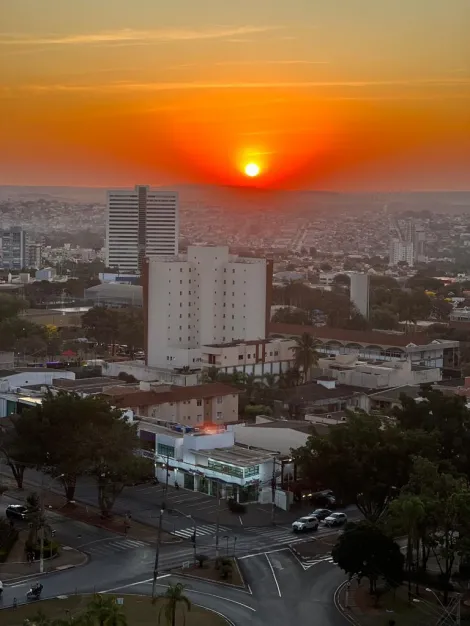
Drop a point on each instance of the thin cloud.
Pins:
(130, 36)
(261, 62)
(124, 86)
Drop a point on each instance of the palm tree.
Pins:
(305, 355)
(173, 598)
(105, 611)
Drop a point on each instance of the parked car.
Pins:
(321, 514)
(16, 511)
(336, 519)
(305, 524)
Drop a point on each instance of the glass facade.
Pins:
(164, 450)
(233, 470)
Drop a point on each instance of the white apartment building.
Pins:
(203, 298)
(401, 251)
(359, 292)
(140, 222)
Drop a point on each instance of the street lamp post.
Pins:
(447, 612)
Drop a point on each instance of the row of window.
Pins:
(231, 470)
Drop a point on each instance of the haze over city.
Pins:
(351, 95)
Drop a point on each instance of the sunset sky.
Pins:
(320, 94)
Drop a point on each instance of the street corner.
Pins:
(69, 558)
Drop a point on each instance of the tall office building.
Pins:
(35, 251)
(203, 298)
(140, 222)
(14, 248)
(359, 292)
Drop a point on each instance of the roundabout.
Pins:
(279, 591)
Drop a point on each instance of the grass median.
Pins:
(138, 610)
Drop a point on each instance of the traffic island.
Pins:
(138, 610)
(387, 606)
(16, 565)
(224, 571)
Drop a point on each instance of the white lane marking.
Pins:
(202, 593)
(240, 518)
(273, 573)
(249, 556)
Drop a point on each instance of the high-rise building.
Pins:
(203, 298)
(401, 251)
(359, 292)
(140, 222)
(35, 255)
(14, 248)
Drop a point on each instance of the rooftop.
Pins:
(135, 397)
(326, 333)
(237, 455)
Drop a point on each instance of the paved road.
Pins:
(282, 592)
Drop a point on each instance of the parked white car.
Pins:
(336, 519)
(305, 524)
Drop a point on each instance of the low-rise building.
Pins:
(348, 369)
(196, 405)
(259, 357)
(211, 463)
(7, 360)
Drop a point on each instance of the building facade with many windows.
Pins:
(140, 222)
(14, 251)
(205, 297)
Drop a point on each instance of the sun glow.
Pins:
(252, 169)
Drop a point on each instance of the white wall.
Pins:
(39, 377)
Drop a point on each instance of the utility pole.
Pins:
(41, 528)
(159, 532)
(217, 525)
(273, 493)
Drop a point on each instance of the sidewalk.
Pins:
(16, 565)
(91, 515)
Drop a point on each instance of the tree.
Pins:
(364, 460)
(66, 435)
(384, 319)
(210, 375)
(305, 355)
(119, 467)
(173, 599)
(288, 315)
(363, 550)
(12, 449)
(102, 325)
(104, 610)
(10, 306)
(407, 514)
(130, 329)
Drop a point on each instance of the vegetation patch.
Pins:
(222, 570)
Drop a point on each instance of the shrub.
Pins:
(201, 559)
(7, 543)
(226, 569)
(51, 548)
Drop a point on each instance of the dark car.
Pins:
(324, 498)
(320, 514)
(16, 511)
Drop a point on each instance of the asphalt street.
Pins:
(281, 591)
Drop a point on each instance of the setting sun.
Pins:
(252, 169)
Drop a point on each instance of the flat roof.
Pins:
(151, 427)
(237, 455)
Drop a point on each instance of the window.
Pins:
(219, 415)
(225, 468)
(219, 399)
(199, 402)
(164, 450)
(199, 418)
(251, 471)
(276, 352)
(181, 269)
(240, 357)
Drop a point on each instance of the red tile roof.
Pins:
(177, 394)
(368, 337)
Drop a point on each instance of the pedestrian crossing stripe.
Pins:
(200, 531)
(325, 559)
(120, 546)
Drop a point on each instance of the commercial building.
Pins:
(140, 222)
(14, 248)
(378, 346)
(35, 255)
(211, 463)
(204, 298)
(359, 292)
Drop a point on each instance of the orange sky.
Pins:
(352, 94)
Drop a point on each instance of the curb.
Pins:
(342, 609)
(302, 557)
(209, 580)
(54, 570)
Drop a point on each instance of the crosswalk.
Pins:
(206, 529)
(276, 535)
(113, 547)
(307, 563)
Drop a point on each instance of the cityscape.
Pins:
(235, 314)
